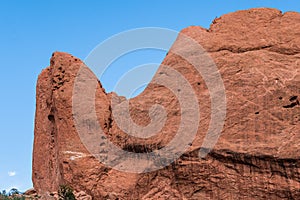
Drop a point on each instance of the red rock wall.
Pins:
(257, 154)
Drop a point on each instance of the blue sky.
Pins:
(32, 30)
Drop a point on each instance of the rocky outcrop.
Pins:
(257, 155)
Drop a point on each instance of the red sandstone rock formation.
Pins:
(257, 154)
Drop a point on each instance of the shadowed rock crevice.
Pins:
(140, 148)
(294, 102)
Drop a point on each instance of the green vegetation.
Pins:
(66, 193)
(13, 194)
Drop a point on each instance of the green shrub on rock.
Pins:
(65, 193)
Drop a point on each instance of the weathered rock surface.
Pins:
(257, 155)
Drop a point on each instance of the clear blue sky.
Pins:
(32, 30)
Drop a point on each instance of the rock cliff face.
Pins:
(257, 155)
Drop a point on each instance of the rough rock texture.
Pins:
(256, 157)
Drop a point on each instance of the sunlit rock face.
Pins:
(256, 156)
